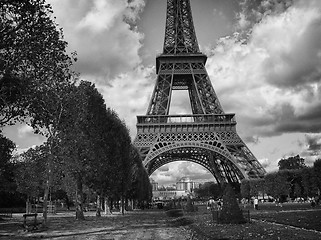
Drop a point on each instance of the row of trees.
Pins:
(293, 179)
(209, 190)
(87, 144)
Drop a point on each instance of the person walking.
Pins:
(256, 204)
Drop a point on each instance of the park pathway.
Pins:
(133, 225)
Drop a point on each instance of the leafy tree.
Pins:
(277, 185)
(298, 181)
(208, 190)
(95, 126)
(11, 91)
(135, 174)
(309, 182)
(119, 175)
(34, 70)
(122, 163)
(32, 54)
(6, 167)
(30, 173)
(246, 189)
(317, 172)
(8, 195)
(94, 144)
(297, 190)
(46, 120)
(16, 25)
(291, 163)
(292, 183)
(257, 187)
(75, 144)
(253, 187)
(139, 185)
(146, 187)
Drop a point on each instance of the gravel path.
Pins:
(133, 225)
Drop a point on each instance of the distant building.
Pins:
(183, 187)
(185, 184)
(154, 184)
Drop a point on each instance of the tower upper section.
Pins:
(180, 37)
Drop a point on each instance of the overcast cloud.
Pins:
(272, 78)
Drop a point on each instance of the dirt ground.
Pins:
(290, 222)
(133, 225)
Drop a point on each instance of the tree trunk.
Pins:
(79, 200)
(45, 204)
(132, 204)
(107, 208)
(122, 210)
(47, 187)
(28, 205)
(129, 204)
(98, 206)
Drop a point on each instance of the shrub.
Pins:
(189, 205)
(174, 213)
(231, 212)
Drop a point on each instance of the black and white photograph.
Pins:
(160, 119)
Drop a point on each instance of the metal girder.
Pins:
(180, 34)
(159, 104)
(189, 75)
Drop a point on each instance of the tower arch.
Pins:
(219, 163)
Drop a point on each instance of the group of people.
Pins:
(217, 204)
(214, 205)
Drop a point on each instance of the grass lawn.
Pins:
(309, 218)
(292, 221)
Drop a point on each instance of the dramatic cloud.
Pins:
(271, 78)
(102, 34)
(268, 165)
(314, 143)
(253, 12)
(312, 148)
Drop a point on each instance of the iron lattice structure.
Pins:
(208, 136)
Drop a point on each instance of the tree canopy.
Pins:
(291, 163)
(6, 167)
(299, 181)
(32, 57)
(30, 171)
(209, 190)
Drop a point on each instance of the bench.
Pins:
(33, 225)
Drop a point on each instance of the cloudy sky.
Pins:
(264, 61)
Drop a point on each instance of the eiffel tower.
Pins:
(208, 136)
